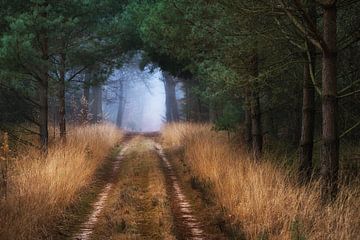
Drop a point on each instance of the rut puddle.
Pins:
(86, 229)
(186, 224)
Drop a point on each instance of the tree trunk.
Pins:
(43, 87)
(62, 106)
(197, 108)
(256, 126)
(269, 126)
(330, 144)
(308, 108)
(296, 113)
(97, 104)
(43, 114)
(188, 102)
(85, 101)
(172, 114)
(308, 117)
(248, 130)
(204, 111)
(193, 105)
(214, 108)
(256, 129)
(121, 105)
(212, 112)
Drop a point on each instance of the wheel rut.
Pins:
(87, 227)
(186, 224)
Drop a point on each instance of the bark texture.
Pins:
(248, 123)
(256, 128)
(61, 96)
(330, 144)
(308, 116)
(268, 115)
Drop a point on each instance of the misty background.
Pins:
(139, 95)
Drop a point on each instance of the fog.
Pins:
(143, 97)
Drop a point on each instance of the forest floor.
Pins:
(147, 195)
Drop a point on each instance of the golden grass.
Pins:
(40, 188)
(263, 197)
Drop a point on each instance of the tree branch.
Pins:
(317, 41)
(349, 130)
(349, 94)
(312, 74)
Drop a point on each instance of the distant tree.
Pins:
(172, 114)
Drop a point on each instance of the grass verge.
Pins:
(202, 205)
(41, 189)
(262, 200)
(78, 212)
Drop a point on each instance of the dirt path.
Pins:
(186, 224)
(87, 227)
(138, 206)
(147, 201)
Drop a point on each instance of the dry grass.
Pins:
(40, 189)
(263, 197)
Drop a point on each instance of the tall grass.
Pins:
(263, 197)
(40, 188)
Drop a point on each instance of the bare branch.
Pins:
(349, 130)
(317, 41)
(349, 94)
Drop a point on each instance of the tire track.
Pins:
(186, 224)
(86, 228)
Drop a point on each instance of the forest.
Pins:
(180, 119)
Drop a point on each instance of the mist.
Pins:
(142, 96)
